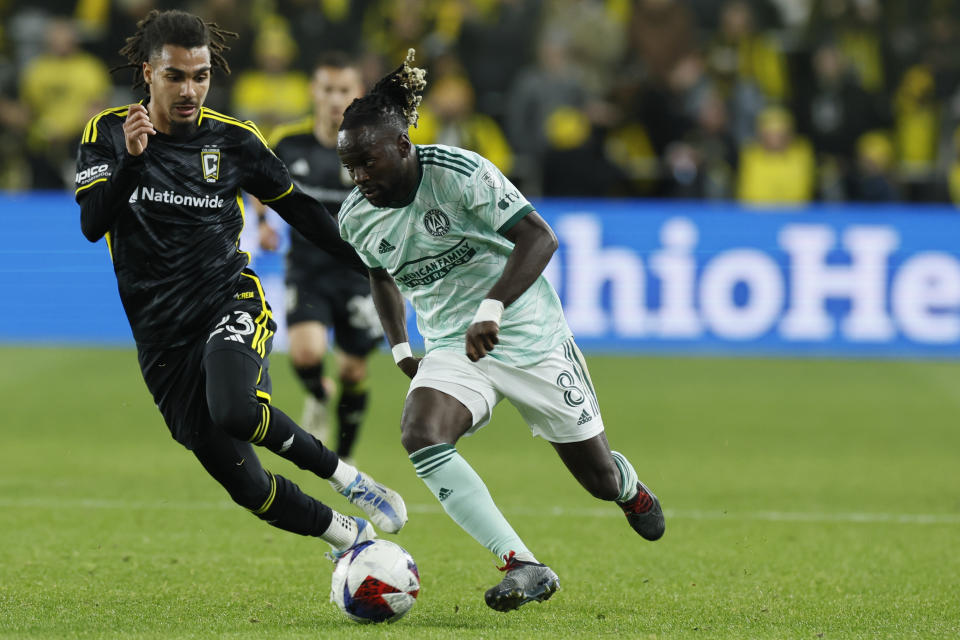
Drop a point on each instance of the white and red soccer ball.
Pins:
(376, 581)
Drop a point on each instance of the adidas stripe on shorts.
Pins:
(555, 396)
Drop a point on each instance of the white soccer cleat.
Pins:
(383, 506)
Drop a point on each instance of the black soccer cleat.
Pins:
(644, 513)
(524, 582)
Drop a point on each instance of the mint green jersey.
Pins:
(445, 251)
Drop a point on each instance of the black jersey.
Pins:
(318, 172)
(172, 217)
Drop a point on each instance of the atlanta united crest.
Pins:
(210, 162)
(436, 222)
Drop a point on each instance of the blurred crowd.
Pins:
(761, 101)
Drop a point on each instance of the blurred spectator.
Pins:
(538, 92)
(14, 118)
(494, 39)
(833, 113)
(447, 116)
(916, 126)
(574, 161)
(106, 25)
(740, 53)
(873, 178)
(768, 13)
(953, 177)
(629, 149)
(596, 31)
(661, 33)
(854, 26)
(662, 69)
(272, 92)
(62, 88)
(325, 25)
(704, 163)
(243, 17)
(777, 169)
(390, 27)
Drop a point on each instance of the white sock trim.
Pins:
(342, 531)
(344, 474)
(628, 477)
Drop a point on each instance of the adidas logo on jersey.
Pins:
(444, 493)
(584, 417)
(385, 247)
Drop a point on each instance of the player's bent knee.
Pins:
(306, 357)
(353, 370)
(416, 436)
(238, 419)
(252, 493)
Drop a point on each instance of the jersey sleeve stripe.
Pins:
(90, 131)
(452, 167)
(514, 219)
(352, 200)
(282, 195)
(459, 161)
(87, 186)
(292, 129)
(86, 131)
(249, 126)
(450, 155)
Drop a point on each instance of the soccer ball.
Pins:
(376, 581)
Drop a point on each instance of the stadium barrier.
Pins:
(634, 277)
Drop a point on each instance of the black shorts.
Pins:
(176, 377)
(339, 299)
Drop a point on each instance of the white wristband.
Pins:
(401, 352)
(490, 310)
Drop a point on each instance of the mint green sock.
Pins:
(628, 477)
(465, 498)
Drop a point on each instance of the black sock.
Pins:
(277, 432)
(351, 410)
(290, 509)
(312, 379)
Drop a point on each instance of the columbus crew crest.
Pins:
(436, 222)
(210, 161)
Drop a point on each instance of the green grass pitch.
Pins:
(804, 499)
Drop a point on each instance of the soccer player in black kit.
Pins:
(322, 292)
(161, 180)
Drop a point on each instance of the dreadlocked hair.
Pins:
(393, 100)
(178, 28)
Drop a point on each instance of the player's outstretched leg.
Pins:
(640, 505)
(525, 582)
(465, 498)
(382, 505)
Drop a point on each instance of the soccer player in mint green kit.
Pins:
(443, 228)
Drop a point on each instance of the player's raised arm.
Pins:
(104, 181)
(392, 311)
(534, 245)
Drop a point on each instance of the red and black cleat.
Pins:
(644, 513)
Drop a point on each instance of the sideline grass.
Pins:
(805, 499)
